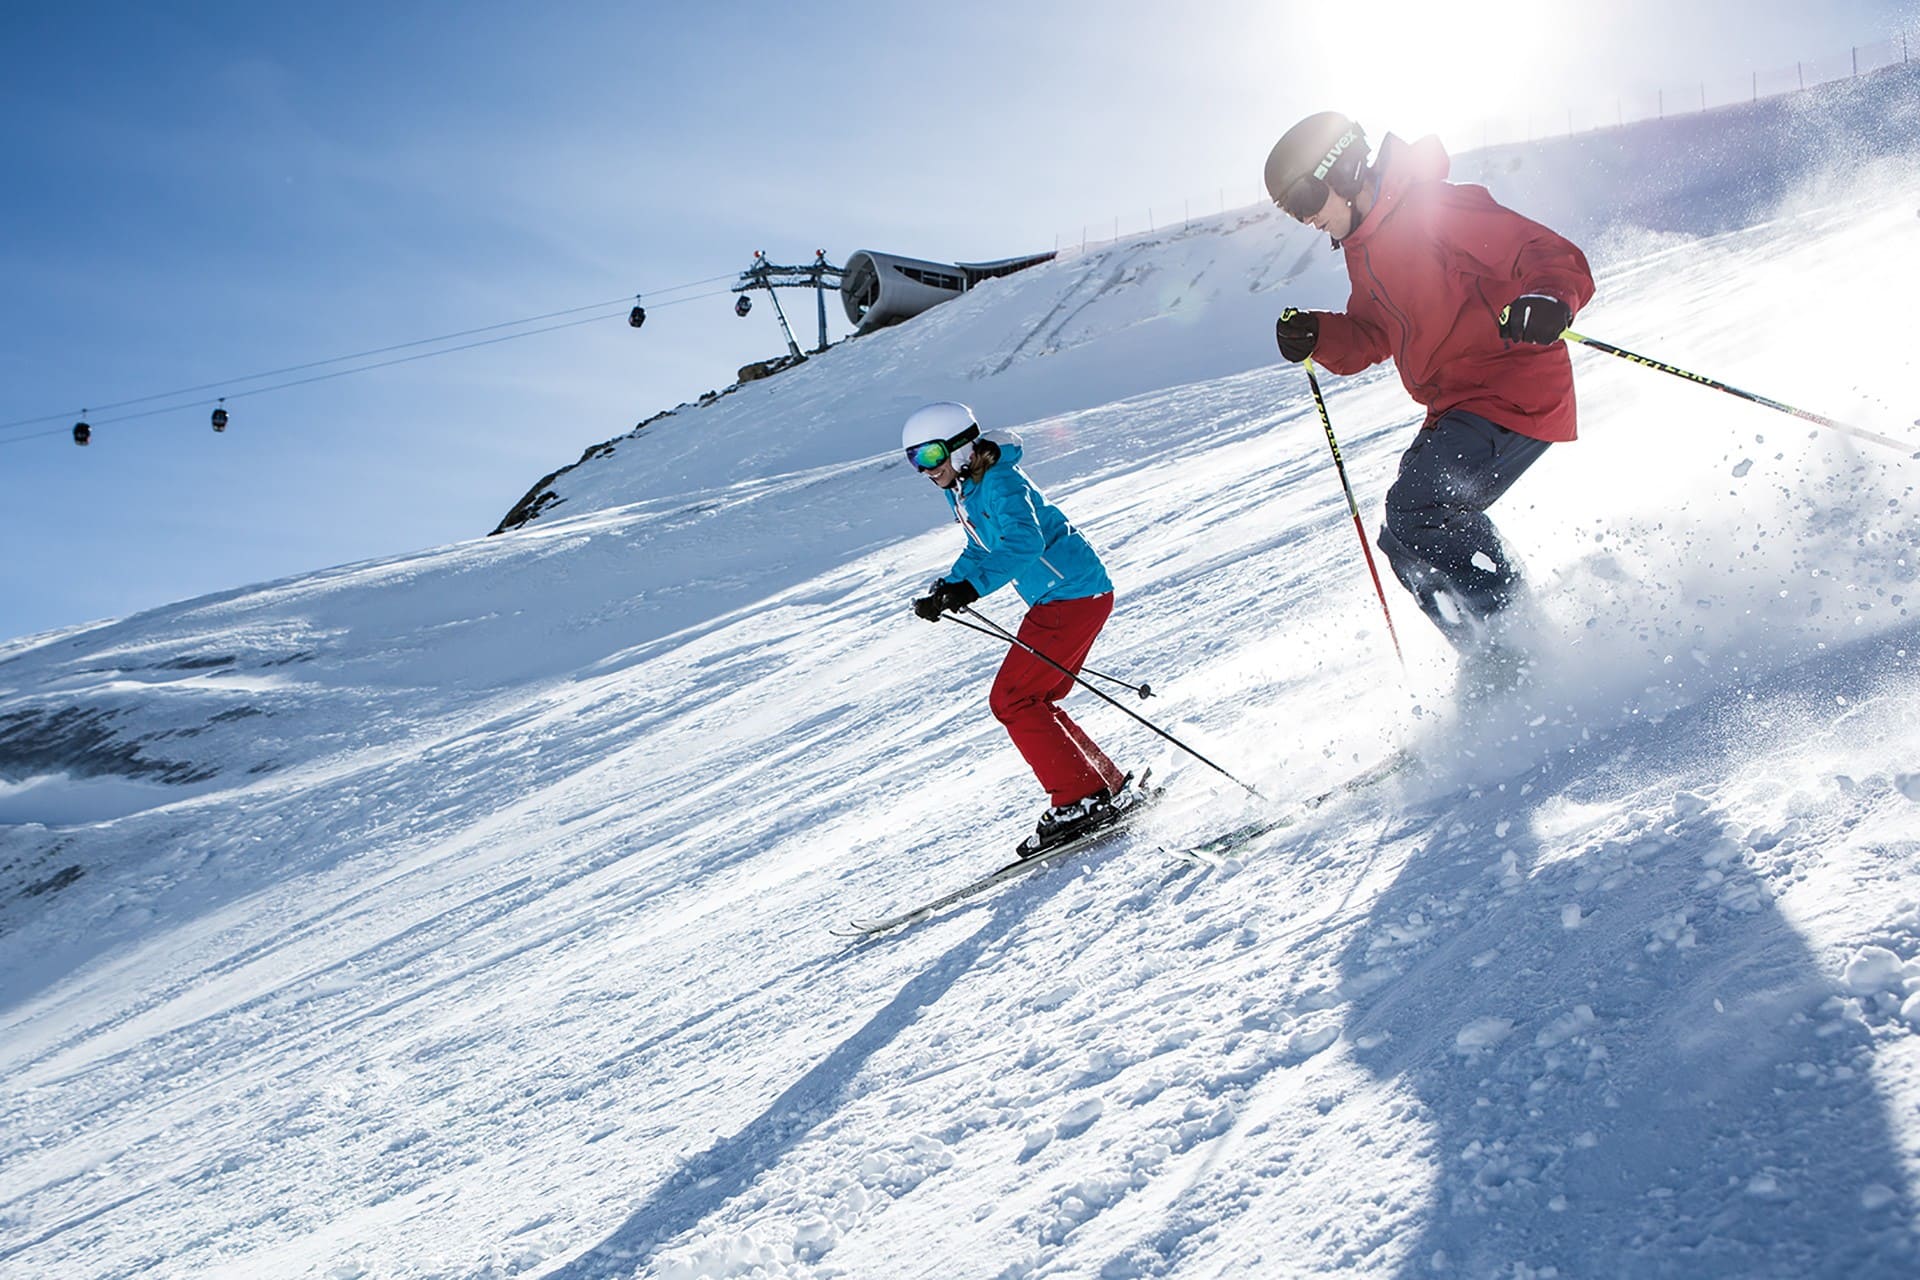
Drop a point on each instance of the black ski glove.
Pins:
(945, 596)
(1296, 332)
(1535, 318)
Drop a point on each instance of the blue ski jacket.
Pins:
(1015, 535)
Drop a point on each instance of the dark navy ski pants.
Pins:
(1437, 536)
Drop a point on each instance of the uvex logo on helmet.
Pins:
(1326, 151)
(1332, 157)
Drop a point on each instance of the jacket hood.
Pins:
(1009, 445)
(1404, 162)
(1400, 165)
(1010, 450)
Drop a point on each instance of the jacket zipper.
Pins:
(960, 514)
(1406, 325)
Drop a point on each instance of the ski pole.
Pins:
(1889, 441)
(1000, 632)
(1353, 508)
(1144, 689)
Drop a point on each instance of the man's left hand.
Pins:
(1535, 318)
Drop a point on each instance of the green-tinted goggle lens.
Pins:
(930, 455)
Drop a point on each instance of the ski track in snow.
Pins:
(490, 936)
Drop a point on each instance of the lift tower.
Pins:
(819, 275)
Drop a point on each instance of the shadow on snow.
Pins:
(1675, 1092)
(729, 1167)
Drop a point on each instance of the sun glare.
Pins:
(1419, 66)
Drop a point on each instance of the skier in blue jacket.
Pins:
(1014, 535)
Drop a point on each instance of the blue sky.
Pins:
(196, 192)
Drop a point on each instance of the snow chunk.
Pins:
(1482, 1033)
(1910, 1011)
(1570, 916)
(1577, 1021)
(1745, 465)
(1721, 851)
(1150, 1157)
(1079, 1116)
(738, 1255)
(1876, 1195)
(1874, 969)
(897, 1172)
(1908, 784)
(813, 1237)
(1688, 804)
(1055, 996)
(1304, 1044)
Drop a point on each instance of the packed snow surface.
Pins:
(467, 914)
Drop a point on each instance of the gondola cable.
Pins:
(376, 351)
(341, 373)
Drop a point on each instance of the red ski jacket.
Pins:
(1432, 265)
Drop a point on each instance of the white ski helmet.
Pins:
(946, 423)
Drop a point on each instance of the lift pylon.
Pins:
(817, 275)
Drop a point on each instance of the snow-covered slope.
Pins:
(1197, 301)
(466, 914)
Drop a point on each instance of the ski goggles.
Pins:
(1306, 197)
(929, 456)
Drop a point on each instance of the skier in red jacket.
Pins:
(1469, 300)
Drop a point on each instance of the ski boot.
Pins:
(1065, 822)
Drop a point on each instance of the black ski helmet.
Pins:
(1326, 151)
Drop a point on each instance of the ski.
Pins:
(1011, 871)
(1208, 852)
(1213, 849)
(1398, 762)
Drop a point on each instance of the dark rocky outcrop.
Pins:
(83, 742)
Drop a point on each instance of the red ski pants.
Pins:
(1027, 692)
